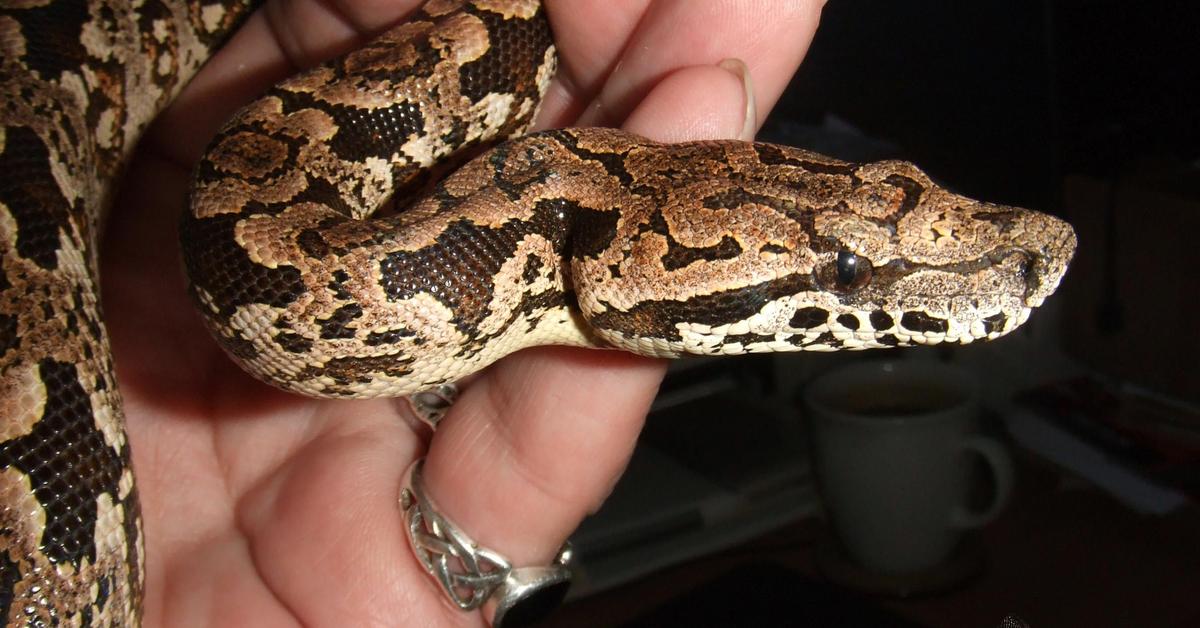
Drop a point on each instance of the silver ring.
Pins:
(476, 577)
(431, 406)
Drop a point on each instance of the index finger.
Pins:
(610, 61)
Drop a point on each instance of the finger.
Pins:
(720, 102)
(770, 37)
(537, 445)
(324, 531)
(590, 37)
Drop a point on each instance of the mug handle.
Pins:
(998, 460)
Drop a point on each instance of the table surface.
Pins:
(1062, 555)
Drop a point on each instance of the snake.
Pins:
(327, 258)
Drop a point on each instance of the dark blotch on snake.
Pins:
(533, 269)
(232, 278)
(679, 256)
(994, 323)
(338, 285)
(459, 269)
(881, 321)
(613, 163)
(10, 575)
(346, 371)
(340, 323)
(8, 335)
(592, 232)
(772, 155)
(735, 198)
(374, 132)
(888, 340)
(312, 243)
(912, 191)
(293, 342)
(922, 322)
(808, 317)
(516, 50)
(32, 196)
(388, 337)
(69, 465)
(59, 49)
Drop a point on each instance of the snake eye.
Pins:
(847, 268)
(847, 273)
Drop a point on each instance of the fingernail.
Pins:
(738, 68)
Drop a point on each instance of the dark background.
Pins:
(1004, 98)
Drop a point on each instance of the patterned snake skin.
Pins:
(321, 269)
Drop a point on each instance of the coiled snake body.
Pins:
(588, 237)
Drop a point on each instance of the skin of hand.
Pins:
(268, 509)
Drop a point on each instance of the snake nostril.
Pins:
(1028, 268)
(1031, 270)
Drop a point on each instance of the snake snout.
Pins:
(1045, 256)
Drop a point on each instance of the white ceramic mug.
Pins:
(891, 442)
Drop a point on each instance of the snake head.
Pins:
(954, 268)
(785, 250)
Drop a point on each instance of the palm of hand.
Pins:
(266, 508)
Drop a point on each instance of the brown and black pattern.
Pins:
(594, 237)
(78, 83)
(320, 270)
(281, 206)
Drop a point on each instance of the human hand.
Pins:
(263, 508)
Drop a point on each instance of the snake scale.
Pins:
(325, 263)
